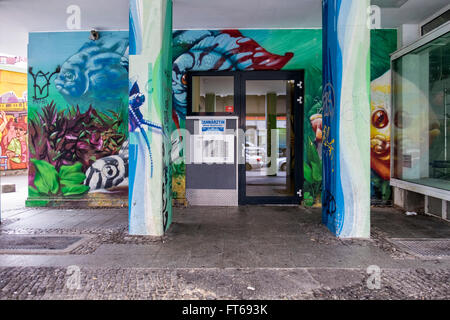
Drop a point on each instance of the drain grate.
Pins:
(39, 244)
(425, 248)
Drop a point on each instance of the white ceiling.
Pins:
(18, 17)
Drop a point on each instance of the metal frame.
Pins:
(432, 17)
(422, 189)
(402, 184)
(421, 41)
(236, 147)
(297, 76)
(239, 110)
(191, 74)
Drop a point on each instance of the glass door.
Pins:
(271, 116)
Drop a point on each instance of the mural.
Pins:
(149, 105)
(204, 50)
(346, 99)
(78, 118)
(380, 129)
(13, 119)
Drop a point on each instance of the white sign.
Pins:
(212, 126)
(212, 144)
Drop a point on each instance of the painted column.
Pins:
(346, 118)
(150, 104)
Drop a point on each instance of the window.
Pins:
(212, 95)
(421, 115)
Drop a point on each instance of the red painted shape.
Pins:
(261, 59)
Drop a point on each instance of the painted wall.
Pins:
(13, 119)
(346, 118)
(78, 119)
(203, 50)
(383, 43)
(150, 105)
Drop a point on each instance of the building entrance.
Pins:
(247, 137)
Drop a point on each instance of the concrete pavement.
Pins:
(280, 252)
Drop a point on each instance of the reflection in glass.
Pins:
(213, 94)
(269, 138)
(421, 88)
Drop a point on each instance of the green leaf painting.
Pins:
(308, 200)
(312, 172)
(67, 182)
(72, 175)
(316, 171)
(33, 193)
(74, 190)
(307, 172)
(46, 177)
(67, 170)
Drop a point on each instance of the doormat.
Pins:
(39, 244)
(424, 248)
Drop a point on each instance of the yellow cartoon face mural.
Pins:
(380, 136)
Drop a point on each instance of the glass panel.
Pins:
(213, 94)
(422, 115)
(269, 138)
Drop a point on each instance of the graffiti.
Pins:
(48, 181)
(44, 80)
(312, 171)
(78, 138)
(137, 120)
(109, 172)
(13, 121)
(380, 126)
(383, 43)
(165, 189)
(150, 199)
(329, 203)
(67, 136)
(328, 142)
(345, 135)
(97, 73)
(13, 142)
(206, 50)
(328, 100)
(224, 50)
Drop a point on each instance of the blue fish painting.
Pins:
(97, 74)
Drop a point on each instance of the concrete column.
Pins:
(407, 34)
(346, 118)
(150, 68)
(272, 134)
(210, 102)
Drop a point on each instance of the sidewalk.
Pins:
(245, 253)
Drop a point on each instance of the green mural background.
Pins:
(306, 47)
(78, 119)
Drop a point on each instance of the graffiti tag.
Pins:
(42, 91)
